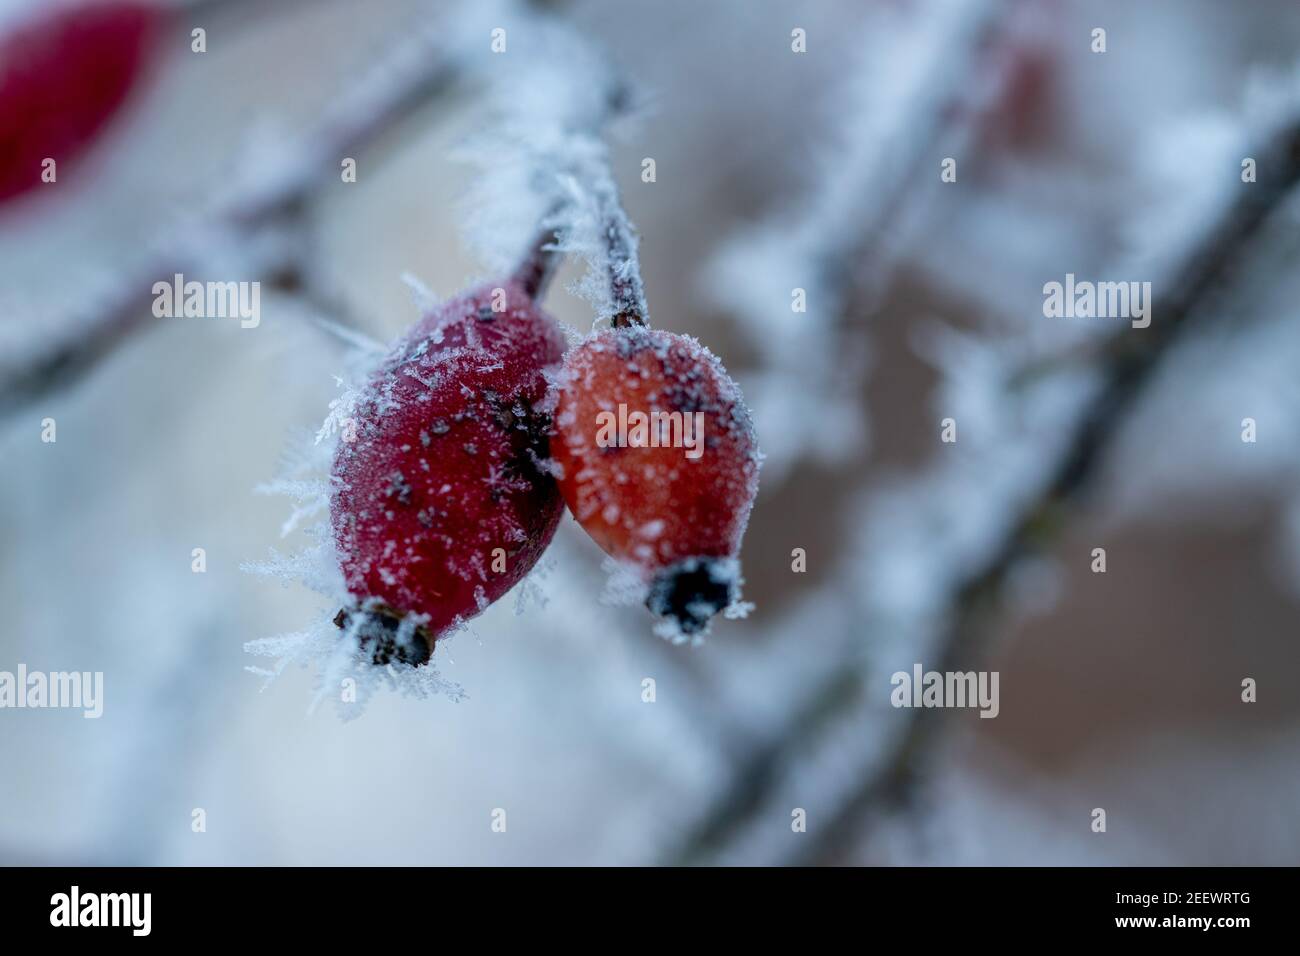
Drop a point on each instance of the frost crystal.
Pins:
(345, 672)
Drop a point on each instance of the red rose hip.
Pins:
(439, 505)
(660, 464)
(66, 68)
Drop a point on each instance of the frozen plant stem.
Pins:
(623, 265)
(537, 268)
(617, 242)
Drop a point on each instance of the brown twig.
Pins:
(538, 266)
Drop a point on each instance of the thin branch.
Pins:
(117, 314)
(538, 266)
(858, 216)
(623, 263)
(1126, 368)
(858, 243)
(416, 69)
(910, 104)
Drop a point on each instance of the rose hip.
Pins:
(440, 503)
(65, 71)
(660, 464)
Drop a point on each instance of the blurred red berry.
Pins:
(1028, 61)
(66, 67)
(446, 467)
(672, 497)
(1024, 116)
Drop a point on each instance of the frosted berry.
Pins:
(65, 69)
(441, 503)
(660, 464)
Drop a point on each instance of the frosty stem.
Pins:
(627, 292)
(622, 263)
(538, 266)
(618, 239)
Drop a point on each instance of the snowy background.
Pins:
(775, 170)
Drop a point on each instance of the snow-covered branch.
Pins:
(1188, 284)
(958, 537)
(267, 197)
(918, 94)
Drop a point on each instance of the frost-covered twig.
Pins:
(537, 267)
(1187, 274)
(114, 316)
(916, 97)
(551, 109)
(612, 251)
(270, 190)
(1210, 261)
(621, 260)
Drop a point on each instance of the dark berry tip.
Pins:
(691, 592)
(382, 636)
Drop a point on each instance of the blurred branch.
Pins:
(859, 214)
(1207, 263)
(862, 221)
(923, 85)
(417, 69)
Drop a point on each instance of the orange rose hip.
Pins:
(659, 464)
